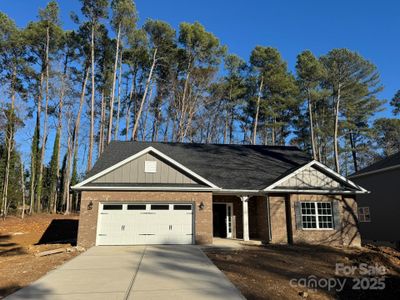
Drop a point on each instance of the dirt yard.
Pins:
(20, 240)
(266, 272)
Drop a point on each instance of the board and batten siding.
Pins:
(134, 172)
(309, 178)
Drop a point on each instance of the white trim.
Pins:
(236, 192)
(336, 192)
(144, 151)
(310, 164)
(143, 188)
(375, 171)
(245, 217)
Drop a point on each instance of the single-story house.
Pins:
(378, 211)
(175, 193)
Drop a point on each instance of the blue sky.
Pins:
(371, 28)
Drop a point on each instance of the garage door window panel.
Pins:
(136, 206)
(112, 207)
(182, 207)
(159, 207)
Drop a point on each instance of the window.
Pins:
(363, 214)
(316, 215)
(112, 207)
(136, 206)
(150, 166)
(182, 207)
(159, 207)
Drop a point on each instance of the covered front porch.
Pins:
(241, 217)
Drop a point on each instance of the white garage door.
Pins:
(144, 223)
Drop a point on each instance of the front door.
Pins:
(219, 220)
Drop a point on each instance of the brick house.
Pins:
(174, 193)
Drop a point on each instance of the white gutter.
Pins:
(214, 191)
(238, 192)
(141, 188)
(317, 191)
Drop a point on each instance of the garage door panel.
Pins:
(140, 224)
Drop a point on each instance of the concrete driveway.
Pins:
(134, 272)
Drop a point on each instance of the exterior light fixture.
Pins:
(90, 205)
(201, 206)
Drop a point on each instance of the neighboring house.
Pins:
(379, 218)
(174, 193)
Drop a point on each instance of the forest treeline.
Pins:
(110, 79)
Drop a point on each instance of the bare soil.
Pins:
(265, 272)
(21, 239)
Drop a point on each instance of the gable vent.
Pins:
(150, 166)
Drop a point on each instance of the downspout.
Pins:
(269, 220)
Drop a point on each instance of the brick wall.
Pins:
(347, 235)
(88, 218)
(262, 218)
(277, 208)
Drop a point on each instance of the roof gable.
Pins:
(131, 171)
(134, 172)
(315, 176)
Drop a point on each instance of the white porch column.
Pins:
(245, 206)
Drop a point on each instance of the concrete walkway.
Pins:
(134, 272)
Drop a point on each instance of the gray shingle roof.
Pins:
(250, 167)
(390, 161)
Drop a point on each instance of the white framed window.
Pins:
(316, 215)
(364, 214)
(150, 166)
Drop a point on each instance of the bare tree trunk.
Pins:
(78, 117)
(145, 117)
(23, 190)
(73, 144)
(310, 116)
(127, 121)
(257, 111)
(7, 171)
(101, 130)
(183, 104)
(67, 174)
(165, 138)
(91, 133)
(110, 123)
(273, 132)
(353, 150)
(336, 129)
(59, 133)
(34, 158)
(226, 128)
(10, 143)
(116, 132)
(44, 138)
(135, 126)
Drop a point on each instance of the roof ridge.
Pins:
(211, 144)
